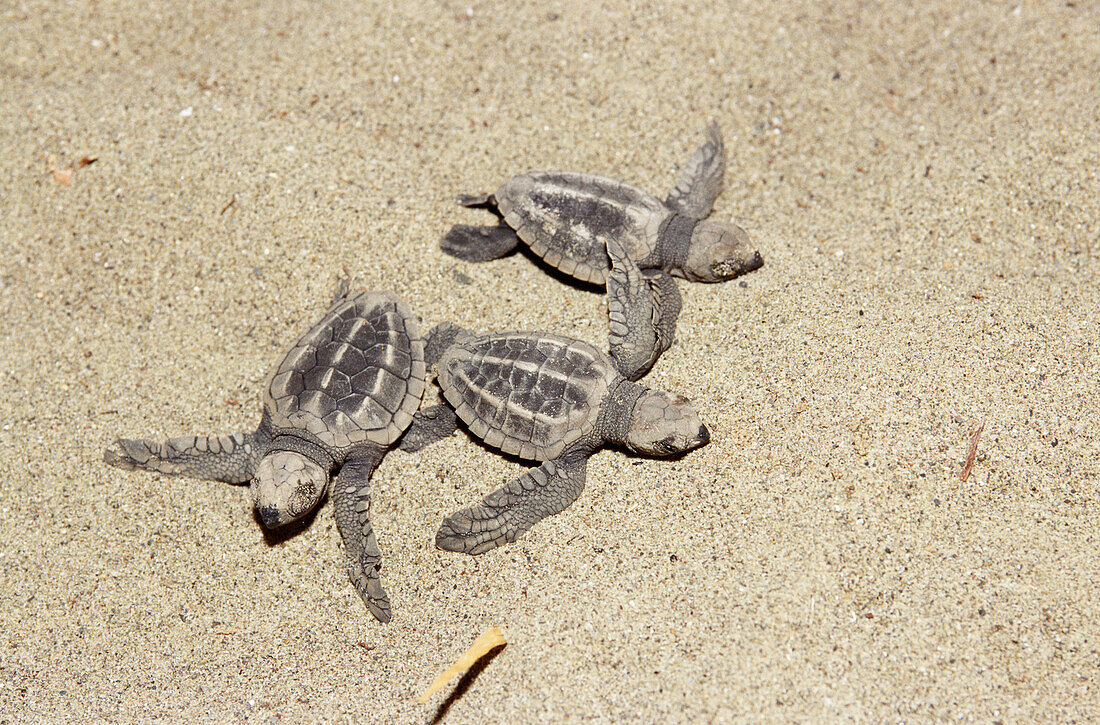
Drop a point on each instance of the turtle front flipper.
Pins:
(230, 458)
(700, 180)
(507, 513)
(479, 244)
(351, 505)
(429, 426)
(642, 307)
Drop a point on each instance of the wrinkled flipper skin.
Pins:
(507, 513)
(351, 505)
(429, 426)
(229, 458)
(642, 308)
(700, 180)
(439, 339)
(479, 244)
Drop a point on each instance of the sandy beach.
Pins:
(186, 183)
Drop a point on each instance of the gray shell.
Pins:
(565, 217)
(356, 376)
(529, 394)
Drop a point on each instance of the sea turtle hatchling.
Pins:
(547, 398)
(343, 394)
(568, 218)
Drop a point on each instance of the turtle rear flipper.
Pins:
(479, 244)
(439, 338)
(507, 513)
(429, 426)
(478, 201)
(229, 458)
(700, 180)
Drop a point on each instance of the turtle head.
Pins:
(664, 424)
(286, 487)
(719, 252)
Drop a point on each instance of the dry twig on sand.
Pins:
(972, 453)
(491, 639)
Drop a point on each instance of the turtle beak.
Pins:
(270, 516)
(700, 439)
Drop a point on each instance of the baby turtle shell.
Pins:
(566, 218)
(531, 396)
(356, 376)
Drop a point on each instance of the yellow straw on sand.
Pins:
(492, 637)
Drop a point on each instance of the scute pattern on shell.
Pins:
(528, 394)
(357, 375)
(565, 217)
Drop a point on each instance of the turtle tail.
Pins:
(479, 244)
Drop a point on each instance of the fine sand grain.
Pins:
(922, 180)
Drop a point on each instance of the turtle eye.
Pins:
(722, 270)
(302, 500)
